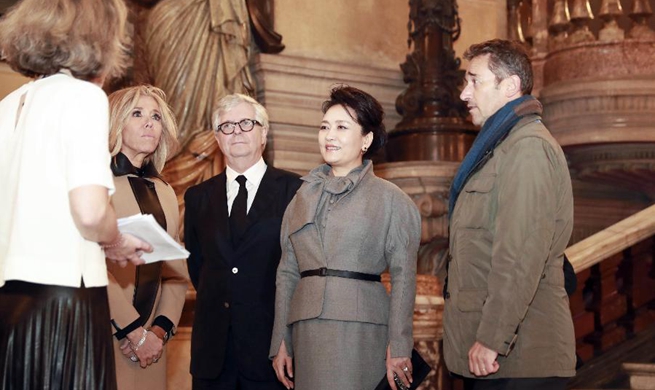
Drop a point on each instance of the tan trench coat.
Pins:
(509, 228)
(170, 298)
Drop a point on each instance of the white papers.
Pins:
(146, 228)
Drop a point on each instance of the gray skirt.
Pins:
(343, 355)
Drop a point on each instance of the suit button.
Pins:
(227, 305)
(235, 270)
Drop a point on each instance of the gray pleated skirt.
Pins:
(338, 355)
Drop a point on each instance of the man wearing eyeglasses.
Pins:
(232, 229)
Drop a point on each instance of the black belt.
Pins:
(340, 274)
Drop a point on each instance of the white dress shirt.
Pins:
(254, 176)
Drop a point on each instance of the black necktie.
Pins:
(238, 213)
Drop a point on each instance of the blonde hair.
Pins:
(226, 103)
(121, 104)
(87, 37)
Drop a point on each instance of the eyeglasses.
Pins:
(245, 125)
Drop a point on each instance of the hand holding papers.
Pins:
(146, 228)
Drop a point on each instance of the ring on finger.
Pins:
(406, 369)
(134, 358)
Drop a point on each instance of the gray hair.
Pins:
(226, 103)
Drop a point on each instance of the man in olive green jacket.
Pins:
(507, 323)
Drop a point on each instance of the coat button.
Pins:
(235, 270)
(227, 305)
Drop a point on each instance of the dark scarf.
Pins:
(121, 166)
(495, 130)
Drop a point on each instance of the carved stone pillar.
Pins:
(599, 99)
(434, 125)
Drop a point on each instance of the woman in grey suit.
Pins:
(335, 325)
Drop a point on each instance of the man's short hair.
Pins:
(506, 58)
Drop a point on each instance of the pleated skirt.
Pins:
(54, 337)
(344, 355)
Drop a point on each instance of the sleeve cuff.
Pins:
(121, 333)
(500, 341)
(166, 324)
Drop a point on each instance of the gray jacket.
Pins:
(368, 226)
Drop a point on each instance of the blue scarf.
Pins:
(495, 129)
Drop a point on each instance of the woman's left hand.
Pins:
(402, 367)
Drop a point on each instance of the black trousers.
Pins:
(551, 383)
(231, 378)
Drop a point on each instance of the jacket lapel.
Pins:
(264, 198)
(217, 199)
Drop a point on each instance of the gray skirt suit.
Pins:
(338, 329)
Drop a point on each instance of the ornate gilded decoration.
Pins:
(610, 12)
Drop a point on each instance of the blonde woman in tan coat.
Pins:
(145, 301)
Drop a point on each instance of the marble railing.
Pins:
(616, 283)
(612, 240)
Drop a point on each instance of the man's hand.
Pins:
(283, 361)
(482, 360)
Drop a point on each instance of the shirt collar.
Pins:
(254, 174)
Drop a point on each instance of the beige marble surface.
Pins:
(642, 376)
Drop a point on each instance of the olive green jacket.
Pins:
(509, 228)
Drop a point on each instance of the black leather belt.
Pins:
(340, 274)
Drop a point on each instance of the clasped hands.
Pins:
(142, 346)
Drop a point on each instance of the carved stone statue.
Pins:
(197, 51)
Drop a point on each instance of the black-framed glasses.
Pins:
(245, 125)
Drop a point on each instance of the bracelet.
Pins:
(117, 242)
(141, 341)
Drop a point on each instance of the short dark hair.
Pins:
(368, 110)
(506, 58)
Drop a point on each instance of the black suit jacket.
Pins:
(235, 286)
